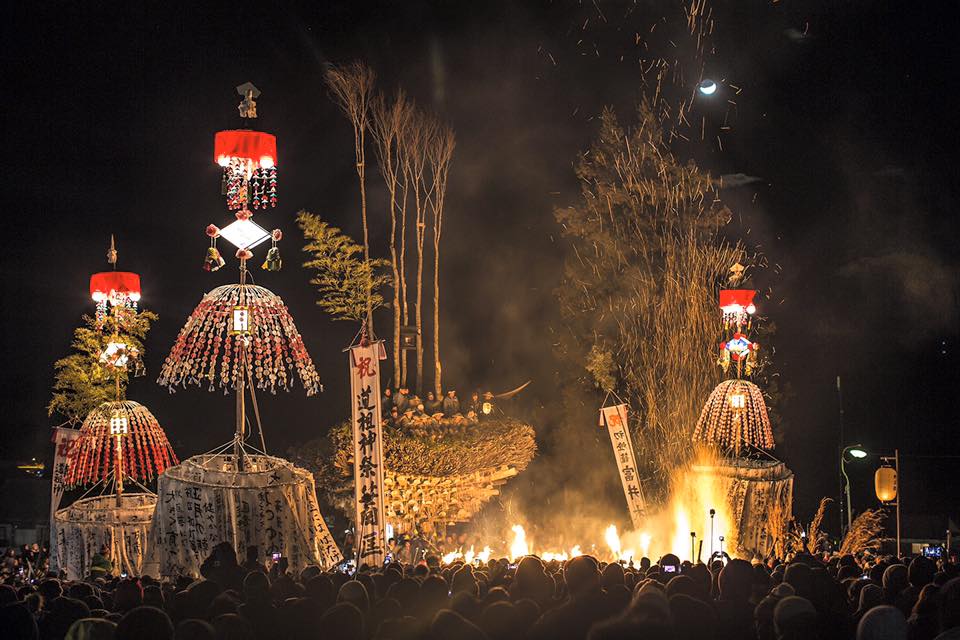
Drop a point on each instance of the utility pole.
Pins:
(840, 445)
(895, 458)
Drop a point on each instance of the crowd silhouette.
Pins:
(807, 598)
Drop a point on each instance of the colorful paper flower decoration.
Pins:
(740, 350)
(735, 417)
(213, 348)
(146, 451)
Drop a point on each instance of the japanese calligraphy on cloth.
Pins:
(271, 505)
(364, 363)
(91, 524)
(615, 418)
(63, 440)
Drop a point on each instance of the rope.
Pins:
(256, 408)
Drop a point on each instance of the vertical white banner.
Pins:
(616, 420)
(367, 453)
(63, 440)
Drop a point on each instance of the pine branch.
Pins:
(81, 380)
(341, 273)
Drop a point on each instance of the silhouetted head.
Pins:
(17, 622)
(921, 571)
(91, 629)
(343, 621)
(581, 574)
(950, 605)
(194, 629)
(882, 623)
(355, 593)
(794, 617)
(144, 623)
(736, 580)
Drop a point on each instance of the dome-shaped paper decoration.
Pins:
(210, 345)
(146, 450)
(735, 417)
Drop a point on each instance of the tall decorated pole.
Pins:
(116, 293)
(735, 417)
(119, 445)
(241, 338)
(120, 438)
(735, 432)
(364, 364)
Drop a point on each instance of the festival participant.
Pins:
(451, 404)
(432, 404)
(100, 564)
(402, 400)
(924, 620)
(252, 562)
(586, 603)
(733, 607)
(92, 629)
(882, 623)
(474, 405)
(221, 567)
(17, 623)
(794, 618)
(950, 609)
(257, 608)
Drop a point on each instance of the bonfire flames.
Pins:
(692, 497)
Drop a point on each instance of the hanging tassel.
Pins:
(271, 188)
(273, 261)
(214, 260)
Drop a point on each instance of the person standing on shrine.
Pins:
(402, 399)
(433, 404)
(474, 405)
(451, 404)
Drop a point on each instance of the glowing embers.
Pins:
(146, 451)
(244, 233)
(269, 351)
(735, 417)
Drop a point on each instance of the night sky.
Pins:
(845, 112)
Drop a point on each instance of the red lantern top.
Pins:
(256, 147)
(112, 285)
(742, 298)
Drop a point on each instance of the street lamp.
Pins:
(855, 451)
